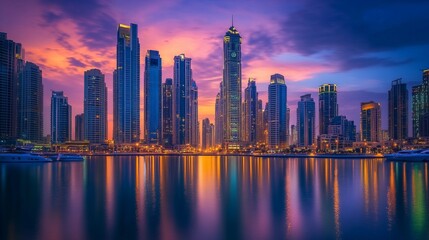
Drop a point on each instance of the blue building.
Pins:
(61, 113)
(232, 89)
(250, 113)
(277, 113)
(95, 107)
(306, 114)
(153, 97)
(126, 86)
(328, 107)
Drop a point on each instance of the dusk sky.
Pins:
(360, 46)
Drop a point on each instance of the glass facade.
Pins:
(152, 97)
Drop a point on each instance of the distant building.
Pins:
(11, 62)
(293, 135)
(398, 111)
(328, 107)
(60, 118)
(260, 125)
(341, 135)
(277, 113)
(207, 137)
(250, 108)
(194, 126)
(219, 121)
(420, 107)
(306, 116)
(167, 113)
(30, 103)
(126, 86)
(370, 122)
(232, 89)
(153, 97)
(79, 127)
(95, 107)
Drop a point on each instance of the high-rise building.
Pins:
(126, 86)
(328, 107)
(340, 126)
(95, 106)
(232, 88)
(219, 120)
(11, 61)
(370, 122)
(30, 103)
(167, 113)
(193, 123)
(277, 112)
(420, 107)
(61, 113)
(250, 108)
(207, 137)
(306, 114)
(398, 110)
(79, 127)
(260, 126)
(182, 103)
(293, 135)
(152, 97)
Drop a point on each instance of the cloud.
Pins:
(75, 62)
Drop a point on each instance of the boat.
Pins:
(418, 155)
(22, 158)
(70, 158)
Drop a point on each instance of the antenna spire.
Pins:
(232, 20)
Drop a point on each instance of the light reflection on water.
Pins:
(213, 197)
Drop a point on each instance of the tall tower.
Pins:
(167, 113)
(277, 112)
(306, 114)
(193, 118)
(30, 104)
(11, 60)
(219, 119)
(370, 122)
(182, 84)
(152, 97)
(60, 118)
(95, 107)
(126, 86)
(251, 110)
(328, 107)
(232, 88)
(79, 127)
(398, 110)
(420, 107)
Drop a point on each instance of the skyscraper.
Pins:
(306, 121)
(194, 123)
(79, 127)
(260, 126)
(95, 106)
(232, 88)
(167, 113)
(219, 119)
(152, 97)
(60, 118)
(398, 110)
(251, 112)
(126, 86)
(11, 60)
(328, 107)
(30, 103)
(182, 103)
(420, 107)
(277, 112)
(207, 134)
(370, 122)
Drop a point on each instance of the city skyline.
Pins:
(69, 54)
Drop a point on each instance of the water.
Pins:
(207, 197)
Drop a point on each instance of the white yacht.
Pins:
(22, 158)
(418, 155)
(70, 158)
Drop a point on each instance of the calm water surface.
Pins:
(207, 197)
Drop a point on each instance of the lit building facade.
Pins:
(398, 110)
(95, 107)
(328, 107)
(153, 97)
(370, 122)
(232, 89)
(250, 108)
(207, 136)
(167, 113)
(219, 120)
(277, 113)
(126, 86)
(79, 127)
(61, 113)
(420, 107)
(306, 117)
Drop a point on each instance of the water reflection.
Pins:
(185, 197)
